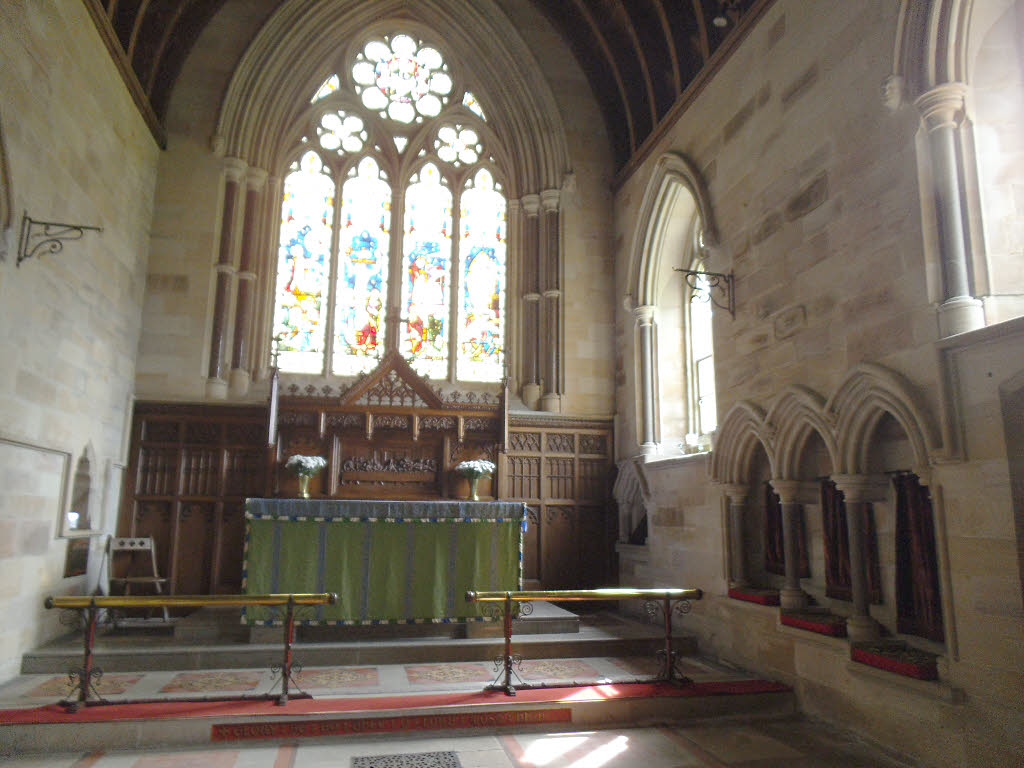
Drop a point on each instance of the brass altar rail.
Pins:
(92, 605)
(669, 601)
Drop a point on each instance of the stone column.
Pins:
(531, 301)
(942, 110)
(644, 316)
(736, 496)
(791, 597)
(550, 262)
(241, 364)
(216, 382)
(859, 491)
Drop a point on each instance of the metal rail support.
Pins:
(668, 601)
(84, 690)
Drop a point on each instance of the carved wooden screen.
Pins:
(389, 436)
(563, 470)
(190, 469)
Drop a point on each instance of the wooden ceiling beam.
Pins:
(702, 28)
(140, 18)
(161, 47)
(616, 74)
(644, 68)
(666, 29)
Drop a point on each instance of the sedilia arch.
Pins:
(866, 394)
(302, 44)
(741, 431)
(798, 413)
(675, 204)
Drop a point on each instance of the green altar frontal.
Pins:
(388, 561)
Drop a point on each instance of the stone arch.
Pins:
(675, 198)
(284, 64)
(674, 175)
(743, 427)
(959, 63)
(930, 44)
(798, 413)
(867, 393)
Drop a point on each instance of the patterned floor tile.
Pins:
(221, 680)
(418, 760)
(459, 672)
(108, 685)
(185, 759)
(338, 677)
(641, 666)
(558, 669)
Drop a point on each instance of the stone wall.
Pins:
(814, 188)
(78, 152)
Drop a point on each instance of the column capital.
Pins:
(862, 488)
(552, 293)
(234, 169)
(644, 314)
(255, 178)
(942, 106)
(788, 490)
(514, 206)
(531, 297)
(736, 493)
(531, 204)
(549, 199)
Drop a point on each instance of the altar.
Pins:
(388, 561)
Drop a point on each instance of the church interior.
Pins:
(723, 295)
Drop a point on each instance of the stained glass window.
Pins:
(341, 132)
(458, 145)
(426, 283)
(482, 281)
(402, 79)
(469, 101)
(362, 294)
(307, 214)
(360, 123)
(330, 85)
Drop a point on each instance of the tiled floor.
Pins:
(792, 743)
(365, 680)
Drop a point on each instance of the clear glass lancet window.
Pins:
(702, 359)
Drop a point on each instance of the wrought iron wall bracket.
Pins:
(39, 237)
(713, 283)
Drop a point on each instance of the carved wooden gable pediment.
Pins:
(392, 383)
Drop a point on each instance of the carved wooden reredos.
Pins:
(390, 435)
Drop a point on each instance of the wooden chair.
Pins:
(134, 549)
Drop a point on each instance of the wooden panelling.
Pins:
(564, 471)
(190, 471)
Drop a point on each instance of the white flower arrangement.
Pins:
(475, 468)
(307, 466)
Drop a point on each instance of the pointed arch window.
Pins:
(413, 257)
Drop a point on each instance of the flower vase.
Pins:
(304, 485)
(472, 487)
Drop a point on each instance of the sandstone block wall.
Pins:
(78, 152)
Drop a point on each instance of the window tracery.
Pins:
(419, 242)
